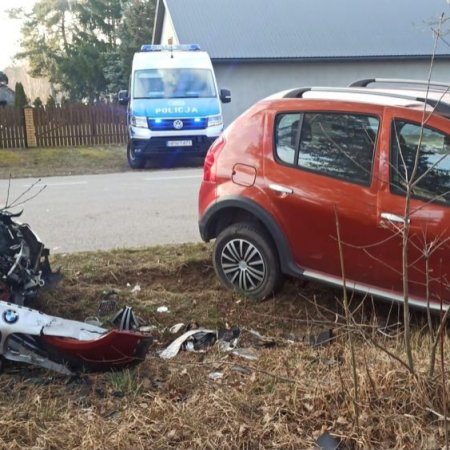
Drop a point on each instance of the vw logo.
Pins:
(178, 124)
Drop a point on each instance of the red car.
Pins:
(282, 173)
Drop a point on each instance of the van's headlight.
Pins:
(215, 121)
(139, 121)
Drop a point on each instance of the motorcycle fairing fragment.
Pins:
(63, 345)
(125, 319)
(173, 349)
(24, 264)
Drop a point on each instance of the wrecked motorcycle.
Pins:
(65, 346)
(30, 336)
(24, 265)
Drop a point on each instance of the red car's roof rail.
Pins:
(297, 93)
(403, 84)
(439, 106)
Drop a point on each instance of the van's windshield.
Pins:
(173, 83)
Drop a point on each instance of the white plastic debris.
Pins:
(136, 289)
(246, 353)
(190, 347)
(148, 328)
(176, 328)
(173, 349)
(215, 375)
(93, 321)
(241, 369)
(163, 309)
(228, 339)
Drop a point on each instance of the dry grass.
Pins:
(45, 162)
(284, 400)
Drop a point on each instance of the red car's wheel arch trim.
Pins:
(210, 217)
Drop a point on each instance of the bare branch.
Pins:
(16, 202)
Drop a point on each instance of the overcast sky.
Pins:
(10, 30)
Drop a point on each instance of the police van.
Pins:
(174, 104)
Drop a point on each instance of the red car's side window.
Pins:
(422, 159)
(339, 145)
(286, 136)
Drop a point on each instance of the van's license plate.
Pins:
(179, 143)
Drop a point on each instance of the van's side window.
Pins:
(431, 180)
(333, 144)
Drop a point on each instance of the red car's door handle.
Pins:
(281, 189)
(389, 217)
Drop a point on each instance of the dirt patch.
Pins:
(285, 399)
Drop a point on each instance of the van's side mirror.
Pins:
(122, 97)
(225, 96)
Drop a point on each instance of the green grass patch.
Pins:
(125, 381)
(44, 162)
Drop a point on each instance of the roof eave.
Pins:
(328, 58)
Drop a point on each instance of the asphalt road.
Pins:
(102, 212)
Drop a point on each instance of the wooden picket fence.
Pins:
(12, 128)
(64, 126)
(74, 125)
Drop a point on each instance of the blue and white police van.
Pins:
(174, 104)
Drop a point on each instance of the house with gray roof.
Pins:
(259, 47)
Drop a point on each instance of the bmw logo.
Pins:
(178, 124)
(10, 316)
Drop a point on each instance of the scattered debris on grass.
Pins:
(197, 339)
(286, 399)
(193, 341)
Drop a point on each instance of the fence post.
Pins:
(30, 129)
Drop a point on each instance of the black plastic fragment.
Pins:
(200, 341)
(322, 339)
(327, 442)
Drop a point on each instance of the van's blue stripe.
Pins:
(177, 108)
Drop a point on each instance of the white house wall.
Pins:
(168, 34)
(250, 82)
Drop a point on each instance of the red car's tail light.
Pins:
(208, 172)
